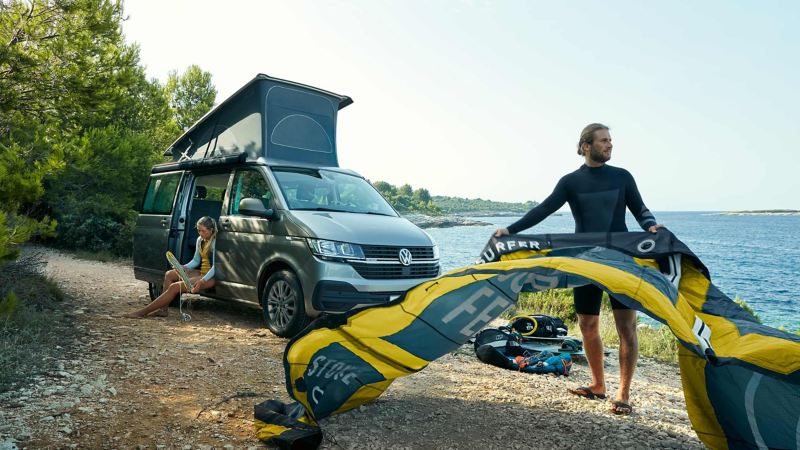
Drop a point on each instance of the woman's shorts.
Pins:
(588, 298)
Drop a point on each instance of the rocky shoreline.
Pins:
(447, 221)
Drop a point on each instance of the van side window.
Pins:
(160, 194)
(249, 184)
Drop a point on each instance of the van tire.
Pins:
(283, 304)
(155, 289)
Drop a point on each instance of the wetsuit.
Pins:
(597, 197)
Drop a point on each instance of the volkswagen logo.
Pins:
(405, 257)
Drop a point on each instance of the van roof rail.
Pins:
(188, 164)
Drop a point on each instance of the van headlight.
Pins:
(334, 249)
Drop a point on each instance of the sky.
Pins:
(486, 99)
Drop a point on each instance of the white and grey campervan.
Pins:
(297, 234)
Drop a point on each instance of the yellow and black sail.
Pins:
(741, 379)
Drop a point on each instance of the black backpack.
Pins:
(538, 325)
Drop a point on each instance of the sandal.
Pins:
(621, 408)
(585, 392)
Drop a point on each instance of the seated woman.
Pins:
(201, 279)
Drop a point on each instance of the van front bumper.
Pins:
(338, 296)
(339, 287)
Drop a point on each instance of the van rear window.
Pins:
(160, 195)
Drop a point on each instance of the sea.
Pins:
(752, 257)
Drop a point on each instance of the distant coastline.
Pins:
(762, 212)
(458, 219)
(443, 221)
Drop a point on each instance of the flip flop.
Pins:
(621, 408)
(585, 392)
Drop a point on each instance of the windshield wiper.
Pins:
(321, 208)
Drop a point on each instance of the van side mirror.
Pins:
(254, 207)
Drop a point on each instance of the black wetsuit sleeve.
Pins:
(633, 200)
(542, 210)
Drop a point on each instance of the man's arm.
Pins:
(634, 202)
(539, 212)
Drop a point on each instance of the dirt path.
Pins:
(163, 384)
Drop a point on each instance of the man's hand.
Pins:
(501, 232)
(655, 228)
(197, 286)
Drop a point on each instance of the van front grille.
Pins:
(392, 252)
(396, 271)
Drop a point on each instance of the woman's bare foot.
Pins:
(133, 315)
(163, 312)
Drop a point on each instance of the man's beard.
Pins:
(598, 156)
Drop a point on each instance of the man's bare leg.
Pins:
(625, 320)
(593, 346)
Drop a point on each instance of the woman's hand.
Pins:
(197, 286)
(655, 228)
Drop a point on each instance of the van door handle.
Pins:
(164, 222)
(226, 223)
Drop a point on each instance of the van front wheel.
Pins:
(155, 289)
(282, 304)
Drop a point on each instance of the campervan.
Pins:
(298, 235)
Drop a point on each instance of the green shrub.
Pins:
(743, 304)
(96, 233)
(8, 305)
(554, 302)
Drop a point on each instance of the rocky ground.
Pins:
(163, 384)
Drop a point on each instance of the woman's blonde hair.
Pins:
(210, 224)
(587, 135)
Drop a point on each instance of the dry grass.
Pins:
(33, 326)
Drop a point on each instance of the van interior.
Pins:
(209, 193)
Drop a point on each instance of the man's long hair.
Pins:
(587, 135)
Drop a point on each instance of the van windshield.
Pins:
(325, 190)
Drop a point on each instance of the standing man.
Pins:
(597, 195)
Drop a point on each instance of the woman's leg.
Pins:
(171, 276)
(162, 301)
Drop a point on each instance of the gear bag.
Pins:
(538, 325)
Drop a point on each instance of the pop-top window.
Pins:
(303, 133)
(243, 136)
